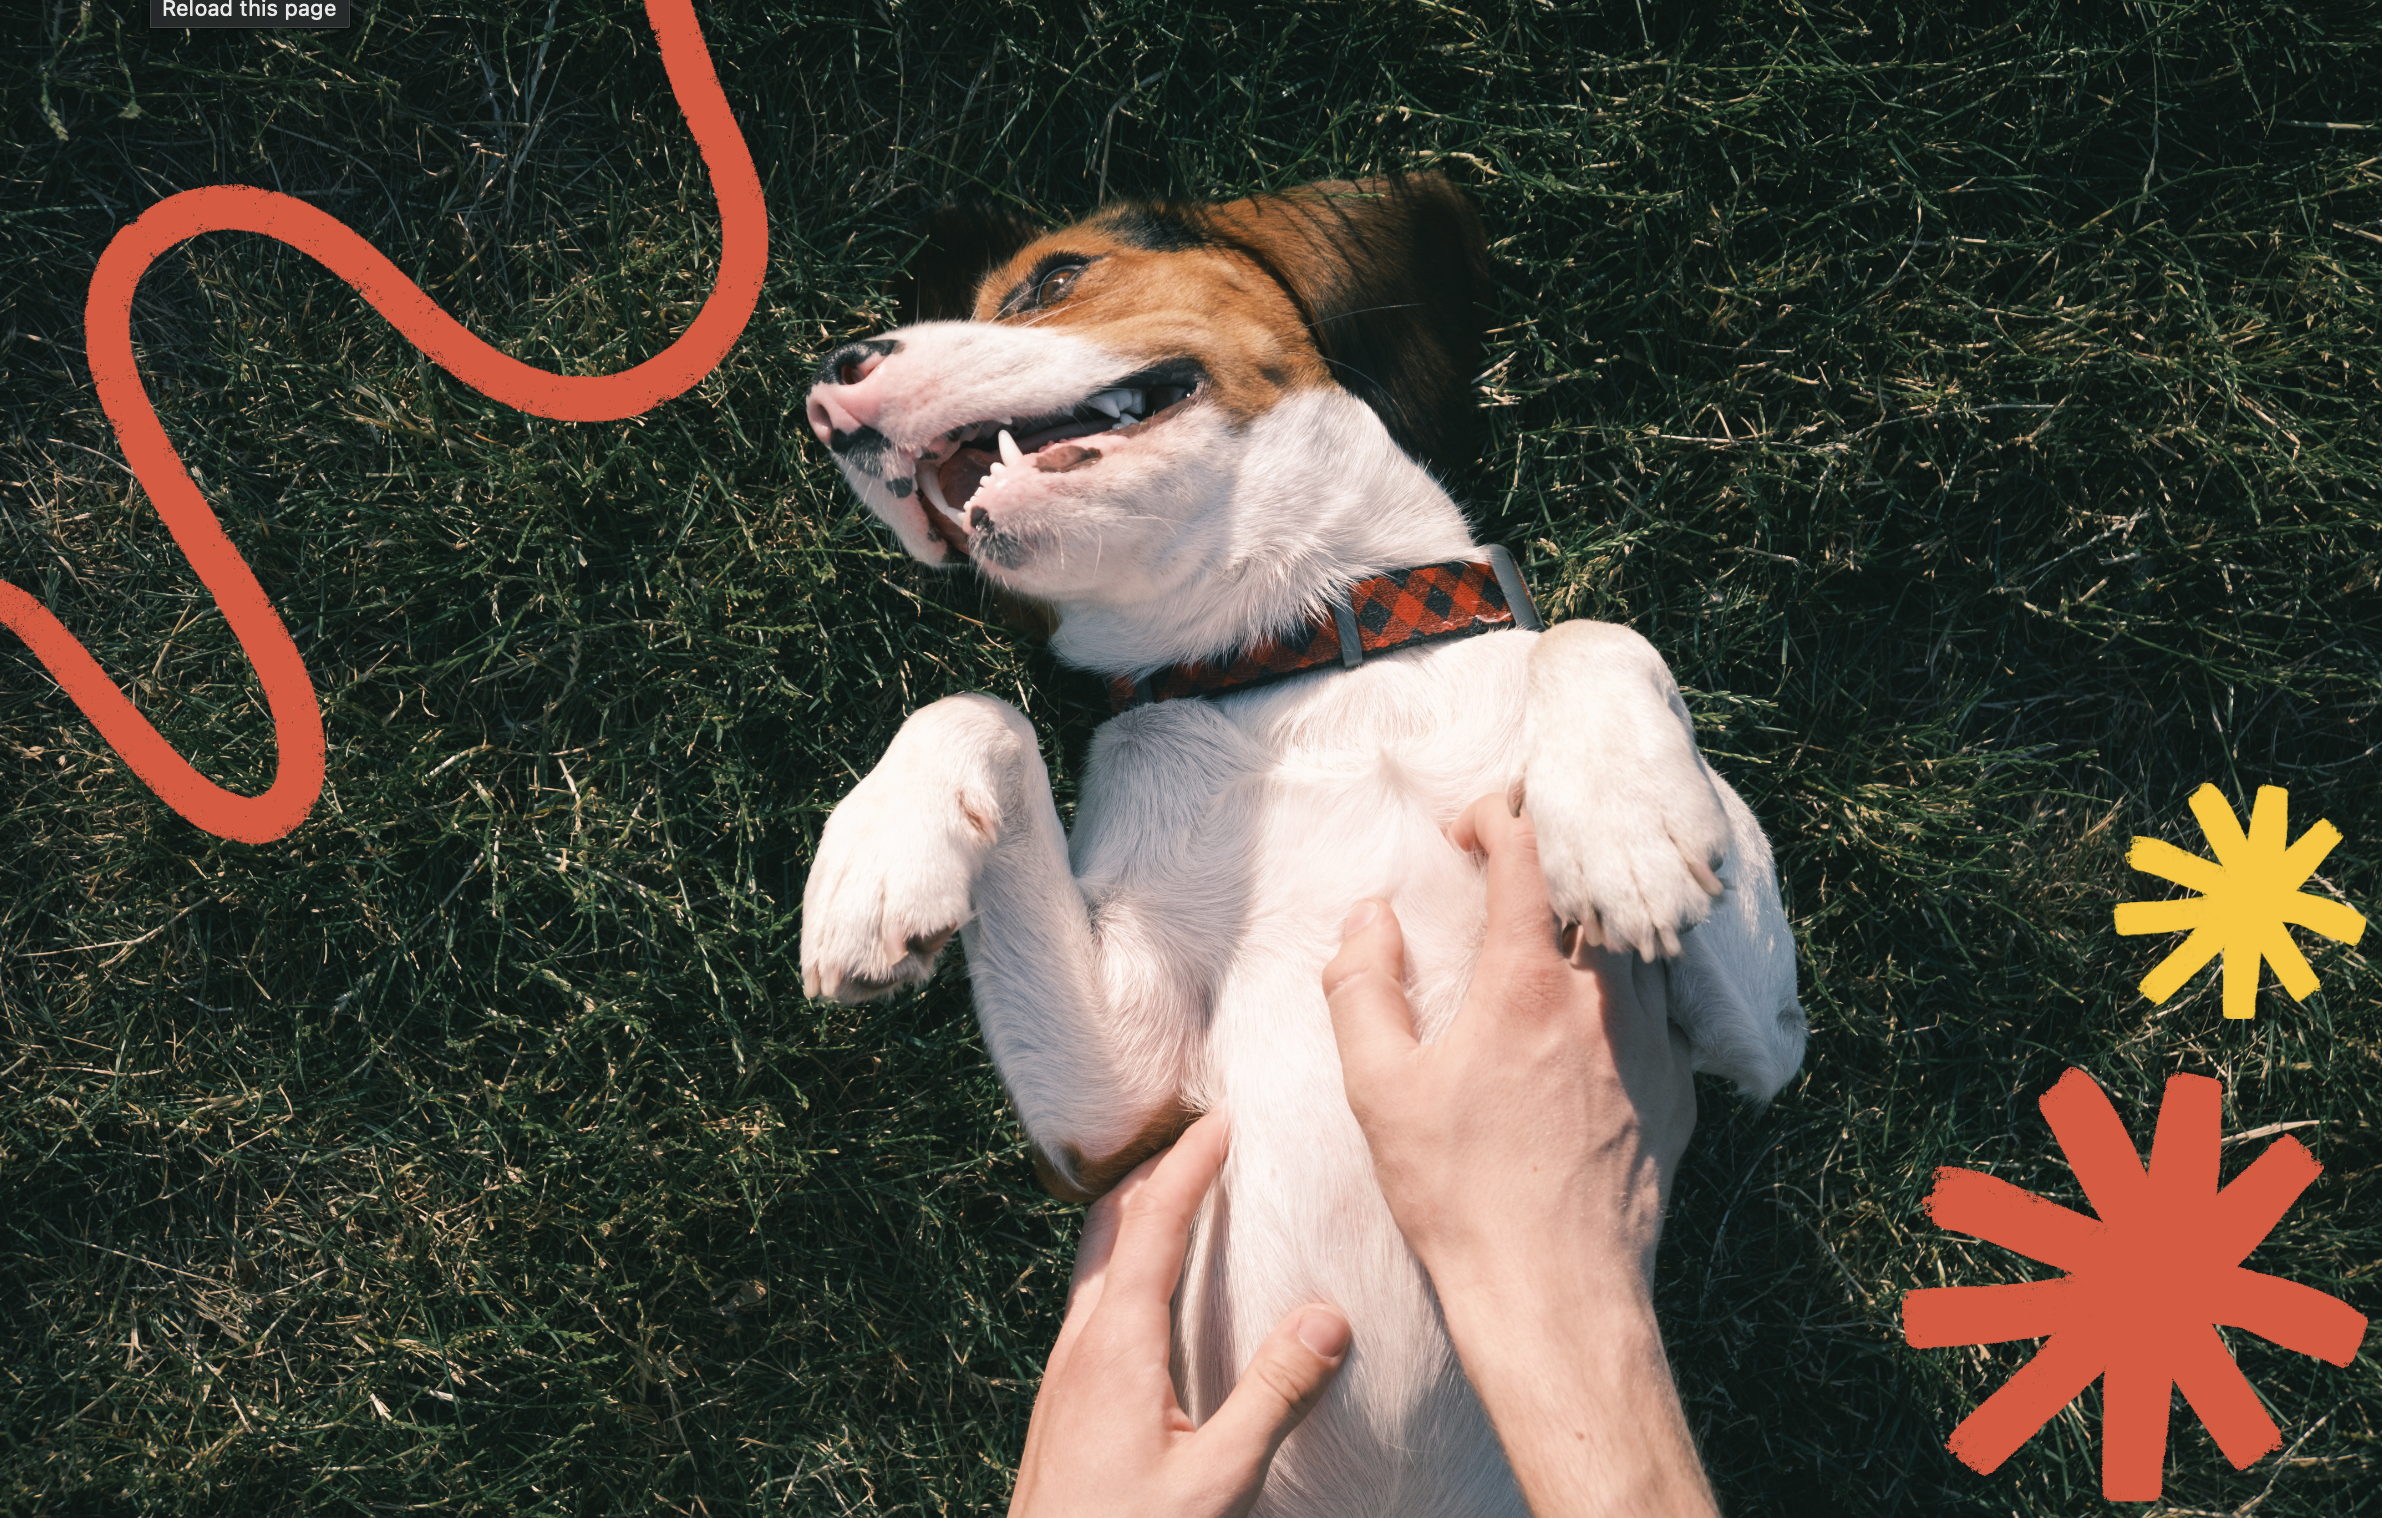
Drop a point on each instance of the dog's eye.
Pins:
(1057, 284)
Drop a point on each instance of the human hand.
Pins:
(1547, 1122)
(1527, 1155)
(1108, 1435)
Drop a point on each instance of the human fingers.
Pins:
(1099, 1239)
(1365, 986)
(1093, 1249)
(1154, 1224)
(1092, 1252)
(1522, 965)
(1519, 917)
(1637, 1013)
(1284, 1380)
(1650, 1053)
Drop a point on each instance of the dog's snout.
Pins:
(843, 406)
(833, 424)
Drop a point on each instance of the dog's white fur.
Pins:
(1168, 952)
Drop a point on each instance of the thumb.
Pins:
(1283, 1382)
(1365, 984)
(1519, 926)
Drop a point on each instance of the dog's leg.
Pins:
(1638, 837)
(955, 828)
(1630, 827)
(1733, 986)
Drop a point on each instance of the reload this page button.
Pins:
(250, 14)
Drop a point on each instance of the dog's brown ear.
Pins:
(1391, 275)
(957, 246)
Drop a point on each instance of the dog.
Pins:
(1201, 438)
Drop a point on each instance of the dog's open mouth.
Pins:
(1053, 443)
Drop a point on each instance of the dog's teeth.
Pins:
(1133, 399)
(1108, 403)
(930, 481)
(1010, 452)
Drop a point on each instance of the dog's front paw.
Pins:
(896, 870)
(1634, 869)
(1631, 833)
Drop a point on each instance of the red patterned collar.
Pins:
(1389, 611)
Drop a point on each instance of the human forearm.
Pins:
(1526, 1154)
(1572, 1372)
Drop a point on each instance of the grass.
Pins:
(1976, 404)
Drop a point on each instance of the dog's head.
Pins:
(1079, 411)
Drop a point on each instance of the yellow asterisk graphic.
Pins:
(2247, 896)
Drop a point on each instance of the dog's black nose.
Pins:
(843, 406)
(850, 364)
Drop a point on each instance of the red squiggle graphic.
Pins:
(107, 325)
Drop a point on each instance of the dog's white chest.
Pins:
(1168, 956)
(1239, 833)
(1280, 811)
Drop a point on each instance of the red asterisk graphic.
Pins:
(2147, 1283)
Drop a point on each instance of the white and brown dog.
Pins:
(1198, 436)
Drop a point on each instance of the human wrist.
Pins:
(1561, 1255)
(1517, 1294)
(1572, 1372)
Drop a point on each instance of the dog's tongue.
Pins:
(965, 470)
(960, 474)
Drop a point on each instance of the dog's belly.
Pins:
(1361, 775)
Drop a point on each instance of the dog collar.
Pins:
(1424, 604)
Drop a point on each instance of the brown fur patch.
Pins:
(1089, 1180)
(1390, 275)
(1375, 285)
(1212, 304)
